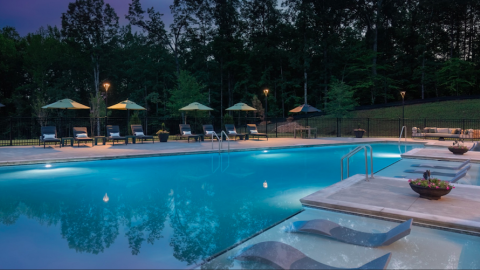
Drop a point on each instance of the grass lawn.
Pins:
(456, 109)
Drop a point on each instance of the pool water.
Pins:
(423, 248)
(161, 212)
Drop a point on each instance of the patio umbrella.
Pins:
(66, 104)
(195, 106)
(127, 105)
(306, 109)
(241, 107)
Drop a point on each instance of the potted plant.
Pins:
(359, 132)
(428, 188)
(457, 148)
(163, 134)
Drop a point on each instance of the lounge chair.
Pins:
(333, 230)
(186, 132)
(49, 134)
(232, 131)
(80, 134)
(209, 131)
(253, 132)
(452, 174)
(137, 131)
(442, 167)
(282, 256)
(116, 134)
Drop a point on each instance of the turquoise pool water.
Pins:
(164, 212)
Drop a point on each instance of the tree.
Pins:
(340, 99)
(188, 90)
(91, 25)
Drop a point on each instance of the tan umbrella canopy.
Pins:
(66, 104)
(127, 105)
(195, 106)
(241, 107)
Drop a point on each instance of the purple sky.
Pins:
(29, 15)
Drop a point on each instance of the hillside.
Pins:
(456, 109)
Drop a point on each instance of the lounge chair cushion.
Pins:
(442, 130)
(115, 134)
(233, 132)
(139, 134)
(49, 136)
(82, 135)
(209, 132)
(254, 131)
(187, 133)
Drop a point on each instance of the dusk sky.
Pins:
(28, 16)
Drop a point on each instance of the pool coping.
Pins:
(197, 152)
(320, 200)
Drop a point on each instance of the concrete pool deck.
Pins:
(19, 155)
(393, 198)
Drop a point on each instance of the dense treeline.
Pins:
(221, 52)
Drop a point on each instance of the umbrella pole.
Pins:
(128, 120)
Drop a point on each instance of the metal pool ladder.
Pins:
(221, 141)
(353, 152)
(214, 133)
(401, 132)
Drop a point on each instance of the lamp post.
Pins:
(403, 107)
(106, 86)
(266, 103)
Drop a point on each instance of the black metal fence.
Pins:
(26, 130)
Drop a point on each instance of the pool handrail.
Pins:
(221, 140)
(214, 133)
(401, 132)
(353, 152)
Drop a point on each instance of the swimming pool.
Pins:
(162, 212)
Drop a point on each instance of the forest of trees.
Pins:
(229, 51)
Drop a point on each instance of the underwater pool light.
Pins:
(48, 166)
(265, 185)
(105, 198)
(265, 151)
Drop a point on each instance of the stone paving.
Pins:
(393, 198)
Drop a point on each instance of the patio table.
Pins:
(309, 129)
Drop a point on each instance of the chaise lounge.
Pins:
(113, 134)
(232, 131)
(49, 134)
(335, 231)
(282, 256)
(80, 135)
(186, 132)
(253, 132)
(209, 131)
(137, 131)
